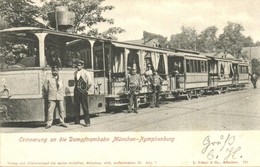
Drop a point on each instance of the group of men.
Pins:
(54, 92)
(134, 85)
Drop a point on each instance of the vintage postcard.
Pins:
(129, 83)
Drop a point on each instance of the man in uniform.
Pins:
(156, 85)
(53, 87)
(83, 82)
(134, 85)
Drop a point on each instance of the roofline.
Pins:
(50, 31)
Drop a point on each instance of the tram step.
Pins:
(118, 104)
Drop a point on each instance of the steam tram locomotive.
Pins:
(28, 54)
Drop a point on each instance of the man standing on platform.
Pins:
(83, 82)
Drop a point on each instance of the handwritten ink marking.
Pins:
(232, 151)
(224, 147)
(229, 140)
(206, 142)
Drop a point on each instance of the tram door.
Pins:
(176, 72)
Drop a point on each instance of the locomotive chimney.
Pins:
(62, 19)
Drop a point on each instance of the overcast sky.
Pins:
(165, 17)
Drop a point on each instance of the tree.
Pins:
(257, 43)
(207, 40)
(255, 66)
(108, 34)
(248, 42)
(87, 14)
(18, 13)
(232, 40)
(187, 39)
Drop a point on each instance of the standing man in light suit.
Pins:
(53, 87)
(83, 82)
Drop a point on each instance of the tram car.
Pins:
(193, 74)
(188, 73)
(226, 73)
(28, 54)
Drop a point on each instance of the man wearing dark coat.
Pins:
(83, 82)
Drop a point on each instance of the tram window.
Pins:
(195, 66)
(118, 61)
(98, 61)
(72, 56)
(192, 65)
(133, 59)
(213, 67)
(198, 66)
(202, 66)
(206, 66)
(243, 69)
(161, 67)
(52, 53)
(19, 51)
(221, 70)
(188, 65)
(234, 68)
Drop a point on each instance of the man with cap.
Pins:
(54, 90)
(156, 83)
(134, 85)
(83, 82)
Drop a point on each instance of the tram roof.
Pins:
(127, 45)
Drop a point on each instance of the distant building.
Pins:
(251, 52)
(149, 39)
(220, 55)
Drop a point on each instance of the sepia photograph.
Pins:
(129, 82)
